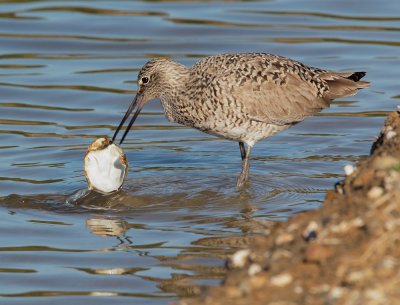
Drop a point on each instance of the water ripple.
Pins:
(69, 87)
(322, 15)
(94, 10)
(42, 107)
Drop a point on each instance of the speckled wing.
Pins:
(279, 97)
(263, 87)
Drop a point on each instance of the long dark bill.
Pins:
(138, 100)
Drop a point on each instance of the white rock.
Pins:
(311, 231)
(239, 258)
(105, 166)
(281, 280)
(254, 269)
(375, 192)
(390, 134)
(337, 292)
(348, 169)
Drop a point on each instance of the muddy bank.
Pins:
(346, 252)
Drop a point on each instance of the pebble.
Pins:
(281, 254)
(374, 294)
(310, 233)
(392, 224)
(339, 187)
(375, 192)
(348, 169)
(390, 134)
(357, 222)
(281, 280)
(258, 281)
(345, 226)
(354, 277)
(392, 181)
(389, 262)
(324, 288)
(284, 239)
(386, 162)
(292, 227)
(357, 276)
(239, 258)
(318, 253)
(232, 292)
(298, 289)
(254, 269)
(336, 292)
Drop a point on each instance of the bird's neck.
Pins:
(174, 102)
(174, 96)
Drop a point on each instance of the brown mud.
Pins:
(345, 252)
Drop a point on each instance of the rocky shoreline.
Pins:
(345, 252)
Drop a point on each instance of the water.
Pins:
(67, 75)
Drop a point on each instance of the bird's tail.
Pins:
(343, 84)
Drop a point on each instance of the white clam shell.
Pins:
(105, 166)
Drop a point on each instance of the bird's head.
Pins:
(157, 77)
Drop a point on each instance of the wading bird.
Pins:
(241, 97)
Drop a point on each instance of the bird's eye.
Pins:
(145, 80)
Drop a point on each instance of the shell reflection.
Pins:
(107, 227)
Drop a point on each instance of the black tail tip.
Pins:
(356, 76)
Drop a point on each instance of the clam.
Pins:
(105, 166)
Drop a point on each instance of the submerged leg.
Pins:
(244, 175)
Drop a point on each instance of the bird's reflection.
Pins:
(195, 265)
(107, 226)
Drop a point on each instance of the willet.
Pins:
(241, 97)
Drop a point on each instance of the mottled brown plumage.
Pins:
(242, 97)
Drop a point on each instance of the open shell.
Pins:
(105, 166)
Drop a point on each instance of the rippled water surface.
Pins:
(67, 74)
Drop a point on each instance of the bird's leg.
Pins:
(242, 150)
(244, 175)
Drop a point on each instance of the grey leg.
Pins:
(244, 175)
(242, 150)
